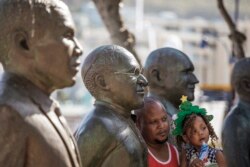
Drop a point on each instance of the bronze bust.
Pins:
(236, 126)
(107, 136)
(39, 54)
(170, 75)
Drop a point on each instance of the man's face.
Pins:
(127, 84)
(154, 124)
(179, 79)
(57, 52)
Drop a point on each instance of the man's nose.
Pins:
(141, 80)
(161, 124)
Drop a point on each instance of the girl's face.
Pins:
(197, 133)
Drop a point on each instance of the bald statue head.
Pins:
(170, 75)
(112, 74)
(37, 42)
(240, 79)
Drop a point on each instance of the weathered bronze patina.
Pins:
(107, 136)
(170, 75)
(39, 54)
(236, 127)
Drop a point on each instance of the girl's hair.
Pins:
(188, 123)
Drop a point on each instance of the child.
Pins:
(152, 121)
(193, 128)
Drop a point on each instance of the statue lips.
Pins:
(140, 91)
(75, 64)
(191, 87)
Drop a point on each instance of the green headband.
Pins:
(185, 109)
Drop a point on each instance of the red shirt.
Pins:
(173, 159)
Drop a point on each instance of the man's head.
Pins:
(170, 75)
(240, 79)
(152, 121)
(112, 74)
(37, 41)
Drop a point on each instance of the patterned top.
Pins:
(191, 154)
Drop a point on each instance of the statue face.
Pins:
(179, 79)
(57, 53)
(154, 125)
(126, 84)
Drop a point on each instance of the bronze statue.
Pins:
(236, 127)
(107, 136)
(170, 75)
(39, 54)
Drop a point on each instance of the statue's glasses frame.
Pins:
(137, 72)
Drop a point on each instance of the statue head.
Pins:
(152, 121)
(113, 75)
(37, 42)
(240, 79)
(170, 75)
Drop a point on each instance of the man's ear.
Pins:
(100, 82)
(156, 77)
(21, 42)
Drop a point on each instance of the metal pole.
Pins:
(236, 11)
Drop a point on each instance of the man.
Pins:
(39, 54)
(152, 121)
(170, 75)
(236, 127)
(107, 136)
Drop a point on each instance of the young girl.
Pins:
(193, 128)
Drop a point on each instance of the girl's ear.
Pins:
(185, 138)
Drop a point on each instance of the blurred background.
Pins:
(196, 27)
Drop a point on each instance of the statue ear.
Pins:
(245, 84)
(100, 82)
(156, 77)
(21, 42)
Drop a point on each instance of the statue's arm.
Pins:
(12, 138)
(235, 138)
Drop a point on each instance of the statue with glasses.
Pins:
(107, 137)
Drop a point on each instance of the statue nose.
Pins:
(142, 81)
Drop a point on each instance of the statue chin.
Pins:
(190, 97)
(138, 105)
